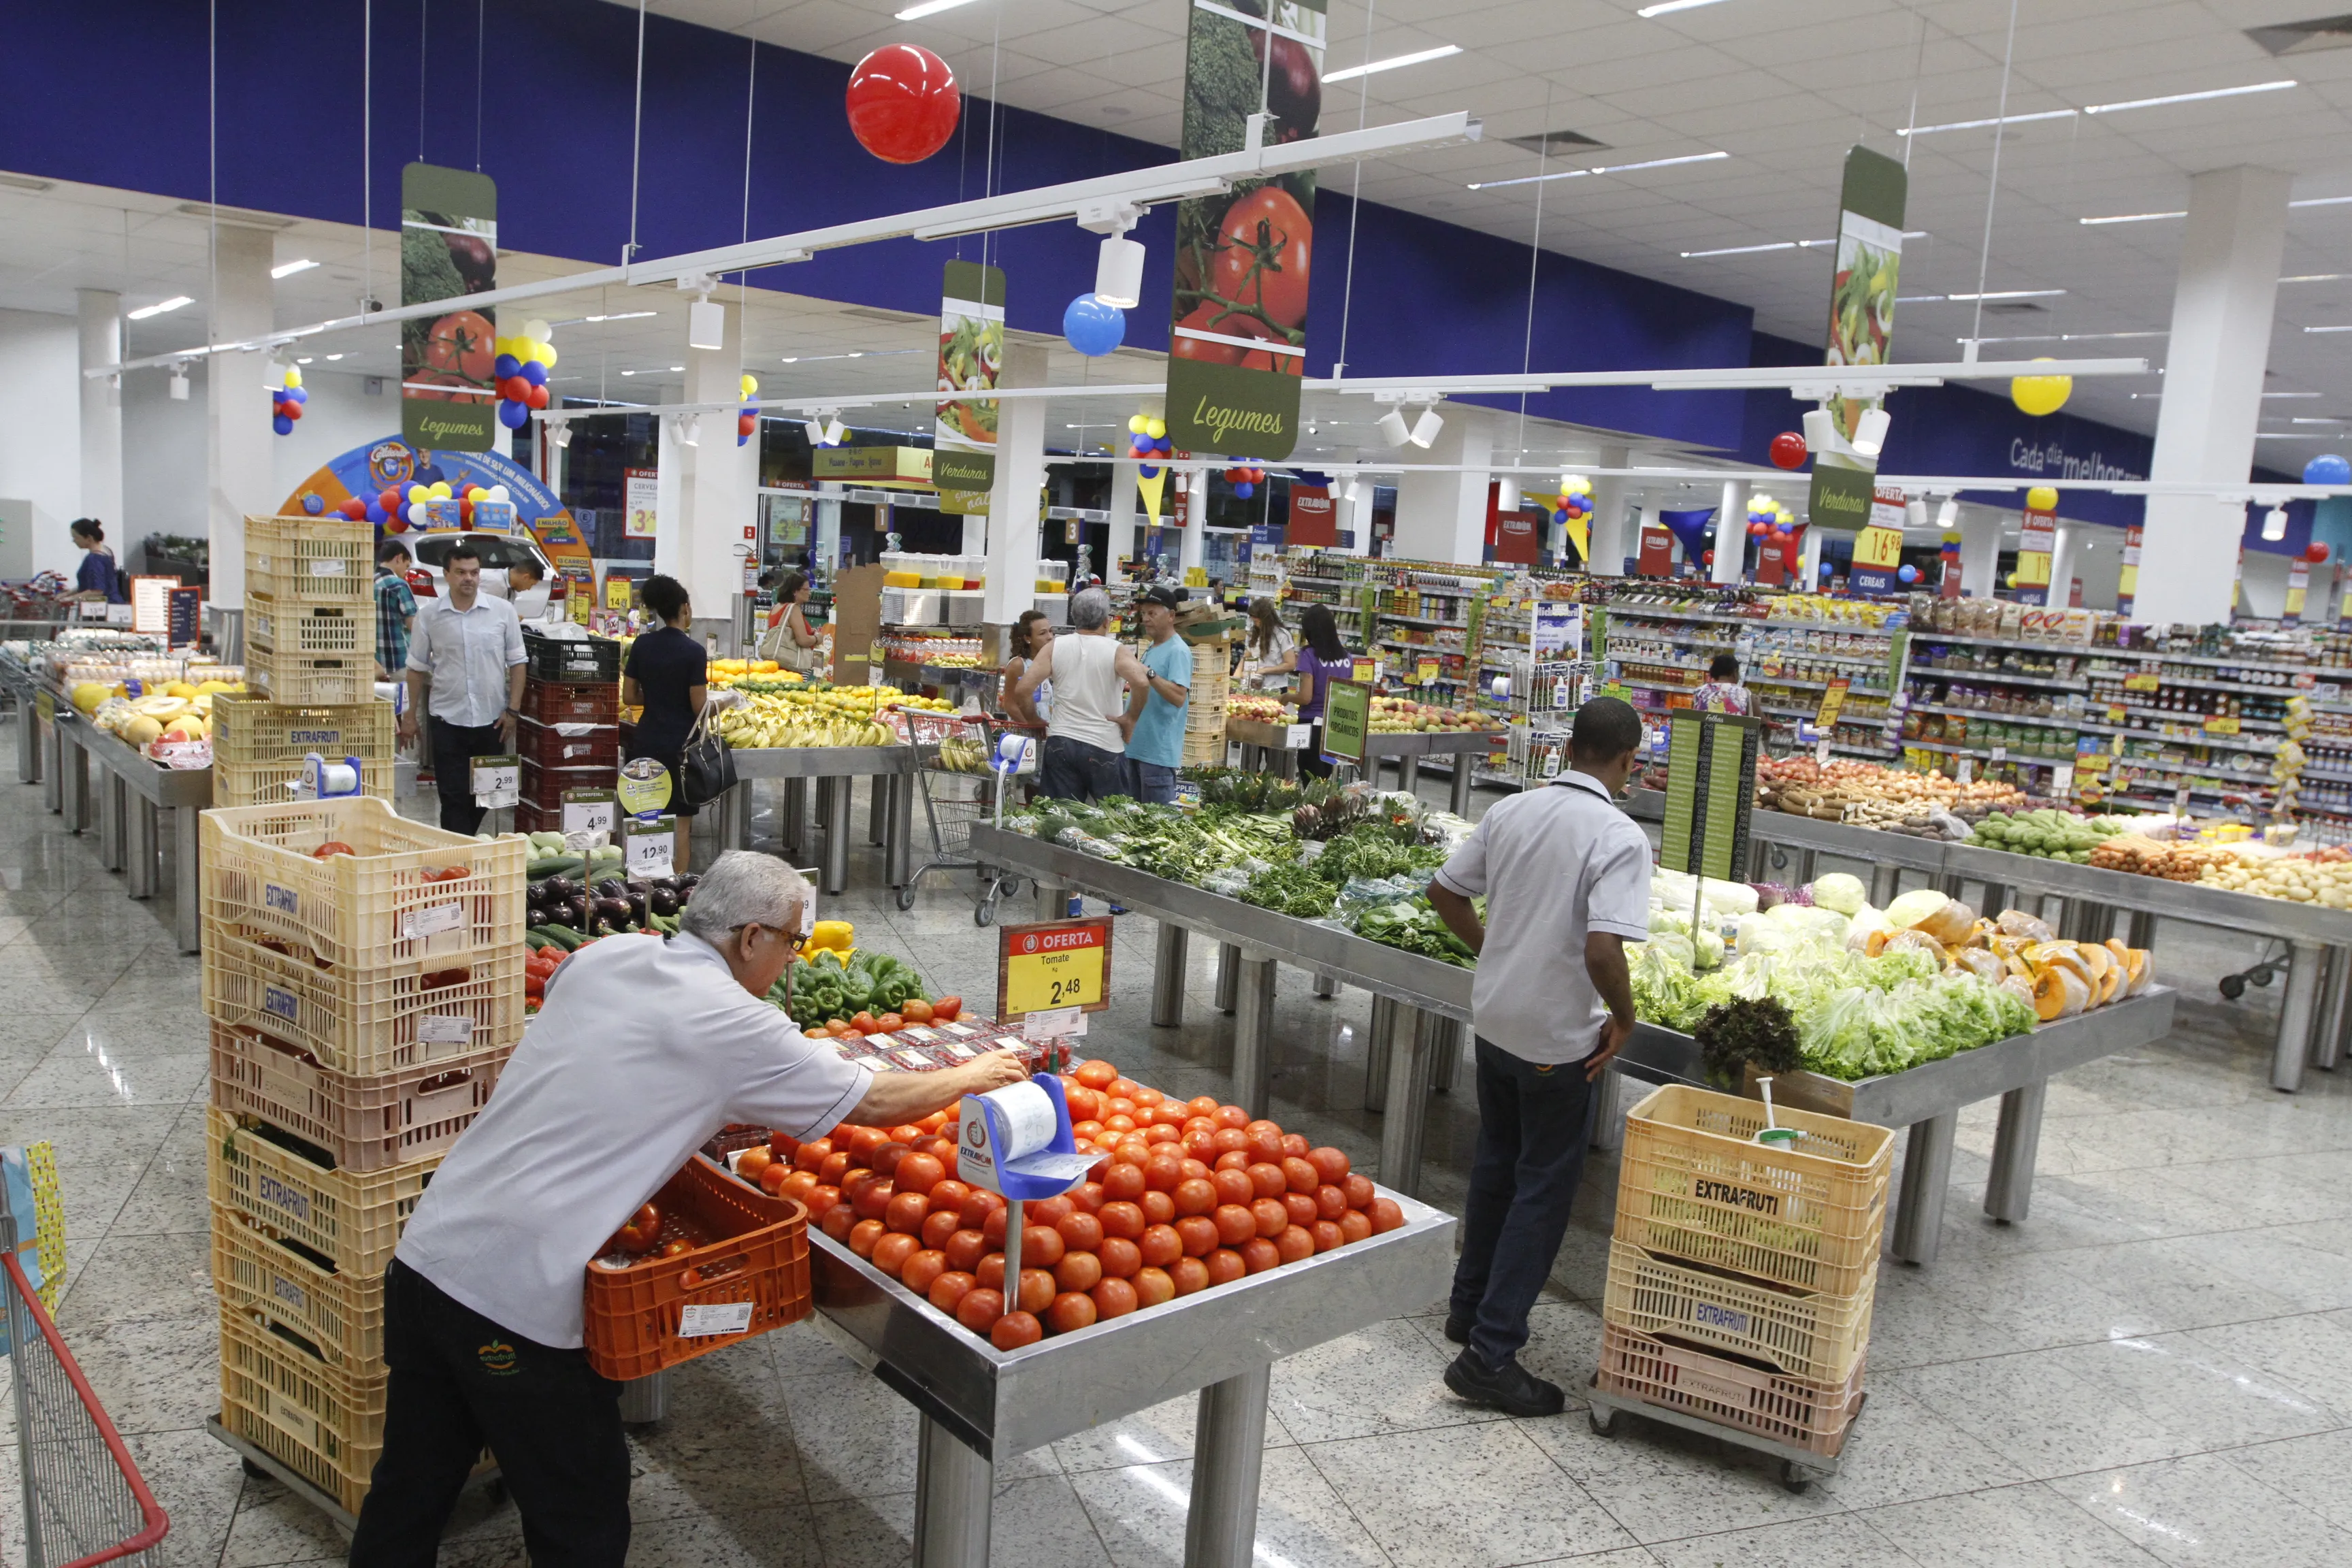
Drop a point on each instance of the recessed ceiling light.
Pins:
(2305, 419)
(1668, 6)
(792, 359)
(2131, 218)
(1741, 250)
(676, 369)
(2318, 277)
(2009, 294)
(1980, 124)
(301, 362)
(1606, 169)
(173, 303)
(2337, 328)
(1349, 73)
(288, 269)
(2190, 97)
(622, 316)
(2321, 202)
(2292, 395)
(332, 358)
(928, 8)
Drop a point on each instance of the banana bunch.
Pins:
(758, 726)
(959, 754)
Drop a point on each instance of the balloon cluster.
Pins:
(1771, 522)
(399, 512)
(1147, 438)
(522, 372)
(1575, 500)
(286, 407)
(1246, 482)
(747, 422)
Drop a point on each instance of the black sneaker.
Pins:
(1510, 1388)
(1457, 1328)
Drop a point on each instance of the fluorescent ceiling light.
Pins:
(2294, 395)
(1741, 250)
(2009, 294)
(1979, 124)
(619, 316)
(1607, 169)
(289, 268)
(2321, 202)
(1669, 6)
(332, 358)
(2090, 337)
(675, 368)
(2131, 218)
(2340, 329)
(2047, 337)
(2318, 277)
(2302, 419)
(928, 8)
(2189, 97)
(173, 303)
(1917, 298)
(1350, 72)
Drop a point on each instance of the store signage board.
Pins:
(1424, 672)
(873, 465)
(184, 621)
(1347, 719)
(640, 502)
(2037, 537)
(450, 246)
(591, 810)
(650, 846)
(1556, 630)
(1833, 703)
(1052, 966)
(1710, 791)
(150, 604)
(1863, 284)
(497, 781)
(971, 353)
(1657, 556)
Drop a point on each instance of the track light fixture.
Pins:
(1870, 432)
(689, 429)
(1392, 428)
(1426, 429)
(2274, 525)
(559, 434)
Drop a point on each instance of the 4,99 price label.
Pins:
(1053, 965)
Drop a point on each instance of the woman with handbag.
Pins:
(666, 676)
(789, 640)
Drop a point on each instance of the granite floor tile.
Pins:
(1486, 1494)
(2027, 1526)
(2204, 1509)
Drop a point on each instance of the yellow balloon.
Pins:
(1138, 424)
(2042, 498)
(475, 493)
(2012, 579)
(2041, 395)
(419, 495)
(440, 490)
(293, 375)
(546, 356)
(1155, 428)
(503, 346)
(750, 386)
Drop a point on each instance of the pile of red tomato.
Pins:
(1188, 1195)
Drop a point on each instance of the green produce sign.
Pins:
(1347, 719)
(971, 353)
(1710, 792)
(1861, 324)
(448, 248)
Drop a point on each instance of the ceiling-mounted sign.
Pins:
(1313, 519)
(873, 465)
(1878, 549)
(971, 353)
(640, 502)
(1238, 325)
(448, 249)
(1862, 324)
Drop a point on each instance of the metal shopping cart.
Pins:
(966, 770)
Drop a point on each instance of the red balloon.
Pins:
(390, 501)
(747, 425)
(465, 513)
(1708, 559)
(354, 509)
(2314, 553)
(536, 397)
(1787, 450)
(515, 389)
(903, 103)
(395, 523)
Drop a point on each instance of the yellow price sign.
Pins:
(2220, 724)
(1425, 672)
(2147, 681)
(1881, 547)
(1052, 965)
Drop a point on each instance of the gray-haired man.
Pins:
(1086, 734)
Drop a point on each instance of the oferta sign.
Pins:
(1862, 325)
(1238, 325)
(448, 248)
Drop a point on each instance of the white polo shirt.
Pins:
(643, 1049)
(467, 654)
(1555, 863)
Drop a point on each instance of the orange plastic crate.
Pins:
(367, 1123)
(635, 1315)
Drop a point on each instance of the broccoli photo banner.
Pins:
(448, 249)
(1238, 337)
(1861, 324)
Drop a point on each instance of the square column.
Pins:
(1730, 532)
(719, 483)
(1608, 531)
(239, 480)
(1442, 516)
(2222, 309)
(1013, 501)
(1980, 531)
(99, 318)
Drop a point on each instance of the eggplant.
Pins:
(613, 913)
(640, 908)
(662, 902)
(572, 912)
(611, 888)
(687, 884)
(557, 886)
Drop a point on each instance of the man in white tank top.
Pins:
(1086, 734)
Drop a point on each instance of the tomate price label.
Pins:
(1056, 964)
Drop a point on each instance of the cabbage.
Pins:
(1727, 897)
(1840, 891)
(1709, 951)
(1811, 922)
(1865, 923)
(1675, 923)
(1760, 933)
(1672, 945)
(1911, 908)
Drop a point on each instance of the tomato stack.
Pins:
(1188, 1195)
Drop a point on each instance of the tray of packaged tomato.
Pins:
(1189, 1195)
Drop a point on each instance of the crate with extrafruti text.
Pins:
(250, 731)
(351, 1219)
(280, 1393)
(366, 1123)
(262, 1275)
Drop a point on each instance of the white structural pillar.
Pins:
(1192, 540)
(99, 313)
(719, 487)
(1606, 532)
(2066, 563)
(1730, 532)
(2220, 346)
(1013, 502)
(1808, 559)
(237, 456)
(1980, 531)
(1442, 515)
(1124, 538)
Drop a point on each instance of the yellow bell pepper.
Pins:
(839, 935)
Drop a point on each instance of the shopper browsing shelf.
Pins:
(1031, 632)
(395, 609)
(640, 1053)
(1086, 735)
(1272, 649)
(100, 577)
(667, 675)
(1567, 881)
(1154, 720)
(788, 640)
(1723, 693)
(465, 675)
(1320, 660)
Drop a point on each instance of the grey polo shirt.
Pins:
(643, 1050)
(1554, 864)
(467, 654)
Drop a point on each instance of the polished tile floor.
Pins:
(2156, 1367)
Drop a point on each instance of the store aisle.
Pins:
(2157, 1367)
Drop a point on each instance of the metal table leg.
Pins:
(2009, 1190)
(1408, 1107)
(1228, 960)
(2295, 1016)
(2327, 1049)
(187, 884)
(113, 805)
(1167, 960)
(734, 820)
(53, 766)
(1445, 1052)
(1457, 794)
(1326, 987)
(834, 801)
(878, 810)
(955, 1496)
(1228, 1453)
(645, 1399)
(1883, 880)
(2143, 930)
(1253, 1031)
(792, 819)
(1617, 1095)
(75, 783)
(1926, 1178)
(142, 847)
(28, 743)
(899, 833)
(1377, 1041)
(1409, 774)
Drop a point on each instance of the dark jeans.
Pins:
(1310, 761)
(1075, 771)
(459, 1383)
(1151, 782)
(454, 747)
(1534, 1123)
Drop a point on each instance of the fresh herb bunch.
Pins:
(1414, 926)
(1374, 850)
(1292, 889)
(1747, 1029)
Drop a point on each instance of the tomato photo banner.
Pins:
(1238, 325)
(971, 353)
(448, 249)
(1862, 324)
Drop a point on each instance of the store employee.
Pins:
(1567, 881)
(641, 1052)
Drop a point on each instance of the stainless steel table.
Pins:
(1406, 748)
(31, 694)
(833, 768)
(981, 1406)
(130, 794)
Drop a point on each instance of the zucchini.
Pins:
(533, 941)
(564, 937)
(555, 866)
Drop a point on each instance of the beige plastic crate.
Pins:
(250, 731)
(1813, 1417)
(389, 903)
(321, 1422)
(298, 678)
(258, 1276)
(315, 559)
(390, 1018)
(368, 1123)
(271, 783)
(344, 628)
(350, 1219)
(1818, 1338)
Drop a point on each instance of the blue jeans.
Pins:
(1151, 783)
(1534, 1122)
(1075, 771)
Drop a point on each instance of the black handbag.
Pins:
(706, 767)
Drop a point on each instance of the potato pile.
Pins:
(1872, 796)
(2148, 857)
(2293, 877)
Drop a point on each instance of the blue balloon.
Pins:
(741, 439)
(1827, 569)
(534, 372)
(1162, 444)
(1149, 471)
(375, 513)
(312, 504)
(514, 415)
(506, 365)
(1244, 489)
(1908, 574)
(1559, 514)
(283, 426)
(296, 394)
(1093, 328)
(2328, 468)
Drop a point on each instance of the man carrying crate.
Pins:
(1567, 881)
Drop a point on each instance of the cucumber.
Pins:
(555, 865)
(532, 940)
(563, 937)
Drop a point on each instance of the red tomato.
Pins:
(1194, 1195)
(1299, 1171)
(1199, 1235)
(1014, 1330)
(1202, 1105)
(990, 1272)
(1162, 1171)
(1078, 1272)
(1224, 1266)
(1329, 1164)
(1114, 1299)
(1331, 1203)
(937, 1229)
(639, 1233)
(922, 1270)
(1360, 1191)
(906, 1213)
(1118, 1121)
(1145, 1095)
(1159, 1135)
(1296, 1245)
(1301, 1208)
(752, 1161)
(887, 1158)
(1094, 1075)
(1232, 1185)
(834, 1167)
(1123, 1181)
(1228, 1140)
(1327, 1235)
(1199, 1143)
(978, 1204)
(965, 1249)
(1354, 1226)
(950, 1288)
(461, 343)
(1235, 1223)
(873, 1199)
(1272, 1218)
(1132, 1151)
(1235, 1160)
(1385, 1215)
(1038, 1289)
(1232, 1116)
(918, 1174)
(864, 1235)
(1258, 1255)
(782, 1145)
(1189, 1274)
(1267, 1180)
(891, 1252)
(1085, 1132)
(1048, 1211)
(992, 1229)
(906, 1133)
(1120, 1258)
(822, 1200)
(1205, 319)
(1265, 1145)
(1124, 1087)
(840, 1220)
(773, 1178)
(813, 1154)
(1082, 1232)
(980, 1309)
(1087, 1197)
(1160, 1245)
(799, 1187)
(1085, 1104)
(1071, 1310)
(1293, 1146)
(1122, 1219)
(948, 1196)
(1153, 1286)
(1158, 1208)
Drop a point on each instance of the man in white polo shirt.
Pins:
(643, 1049)
(1567, 881)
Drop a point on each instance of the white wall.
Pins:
(40, 428)
(339, 416)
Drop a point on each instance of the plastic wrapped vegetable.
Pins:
(1840, 891)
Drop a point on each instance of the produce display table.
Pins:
(1408, 747)
(1428, 1004)
(891, 768)
(130, 795)
(981, 1406)
(1280, 741)
(28, 689)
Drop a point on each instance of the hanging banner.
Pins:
(2037, 537)
(2128, 585)
(972, 353)
(1238, 332)
(1861, 323)
(640, 502)
(1878, 549)
(1657, 558)
(2298, 588)
(1314, 517)
(448, 249)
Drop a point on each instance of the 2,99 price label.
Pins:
(1057, 964)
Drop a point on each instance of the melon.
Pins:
(2059, 994)
(88, 695)
(179, 689)
(187, 726)
(141, 730)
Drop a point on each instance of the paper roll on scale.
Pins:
(1028, 1118)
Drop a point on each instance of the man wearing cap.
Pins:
(1154, 720)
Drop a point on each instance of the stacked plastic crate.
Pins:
(570, 735)
(1742, 1272)
(362, 980)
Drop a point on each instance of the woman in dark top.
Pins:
(1320, 658)
(665, 675)
(100, 577)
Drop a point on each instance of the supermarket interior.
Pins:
(1597, 912)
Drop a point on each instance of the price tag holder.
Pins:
(1295, 736)
(1966, 771)
(2180, 801)
(1053, 966)
(2061, 779)
(1054, 1023)
(1821, 751)
(2000, 754)
(2220, 724)
(497, 781)
(1424, 672)
(591, 810)
(651, 846)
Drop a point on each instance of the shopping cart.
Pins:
(85, 1503)
(965, 771)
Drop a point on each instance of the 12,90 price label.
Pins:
(1061, 963)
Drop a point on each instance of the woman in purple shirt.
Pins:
(1320, 660)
